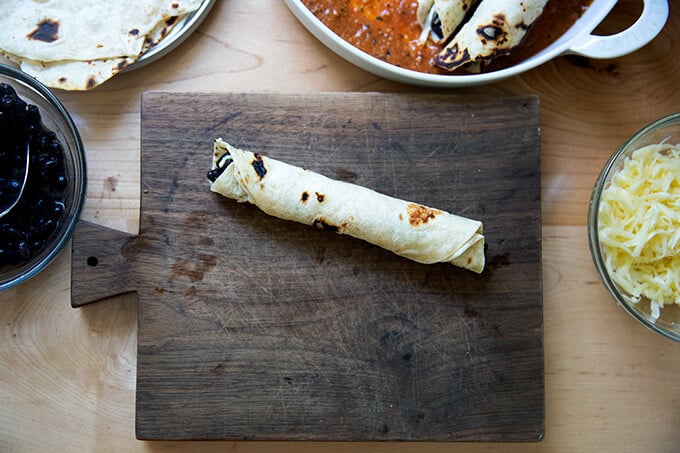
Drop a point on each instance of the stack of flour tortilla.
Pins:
(75, 45)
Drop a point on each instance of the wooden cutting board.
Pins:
(251, 327)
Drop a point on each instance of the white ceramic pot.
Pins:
(578, 40)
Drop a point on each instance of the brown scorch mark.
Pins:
(122, 65)
(449, 58)
(324, 225)
(304, 197)
(46, 31)
(495, 31)
(320, 197)
(420, 215)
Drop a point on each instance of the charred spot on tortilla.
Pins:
(171, 20)
(449, 58)
(175, 5)
(320, 197)
(491, 32)
(164, 31)
(323, 225)
(494, 31)
(91, 82)
(304, 197)
(522, 26)
(46, 31)
(258, 165)
(134, 32)
(62, 79)
(420, 215)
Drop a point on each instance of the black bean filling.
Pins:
(222, 164)
(31, 224)
(436, 26)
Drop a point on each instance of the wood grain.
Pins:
(102, 270)
(255, 328)
(68, 379)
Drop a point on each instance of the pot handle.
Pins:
(648, 25)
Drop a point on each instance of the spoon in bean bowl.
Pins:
(11, 190)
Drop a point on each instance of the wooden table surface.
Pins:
(67, 376)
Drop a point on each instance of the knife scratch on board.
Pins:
(252, 279)
(429, 155)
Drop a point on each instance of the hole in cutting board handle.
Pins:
(92, 261)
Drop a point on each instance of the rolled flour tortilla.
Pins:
(288, 192)
(495, 28)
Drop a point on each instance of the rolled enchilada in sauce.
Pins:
(495, 28)
(408, 229)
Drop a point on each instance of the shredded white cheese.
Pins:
(639, 226)
(427, 26)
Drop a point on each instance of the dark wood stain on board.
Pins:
(252, 327)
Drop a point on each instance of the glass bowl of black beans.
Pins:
(38, 227)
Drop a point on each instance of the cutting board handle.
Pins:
(99, 265)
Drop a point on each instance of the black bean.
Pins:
(43, 229)
(6, 88)
(8, 257)
(55, 148)
(33, 115)
(36, 247)
(19, 158)
(50, 164)
(59, 182)
(10, 232)
(37, 204)
(58, 209)
(9, 186)
(23, 250)
(4, 120)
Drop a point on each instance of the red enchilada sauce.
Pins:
(389, 30)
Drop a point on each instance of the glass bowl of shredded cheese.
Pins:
(634, 226)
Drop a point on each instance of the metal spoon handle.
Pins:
(23, 185)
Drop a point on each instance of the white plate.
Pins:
(578, 40)
(181, 31)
